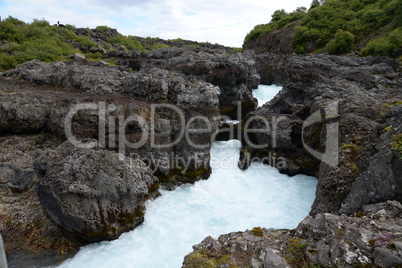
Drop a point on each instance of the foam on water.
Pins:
(265, 93)
(230, 200)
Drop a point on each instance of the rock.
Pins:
(398, 247)
(92, 193)
(324, 240)
(98, 49)
(208, 244)
(166, 121)
(352, 91)
(384, 168)
(276, 41)
(3, 259)
(152, 84)
(235, 75)
(93, 49)
(386, 259)
(79, 57)
(30, 236)
(102, 63)
(273, 259)
(35, 99)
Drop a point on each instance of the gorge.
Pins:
(56, 197)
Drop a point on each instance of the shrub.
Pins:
(397, 144)
(279, 19)
(102, 29)
(7, 62)
(85, 43)
(338, 25)
(343, 43)
(127, 41)
(385, 46)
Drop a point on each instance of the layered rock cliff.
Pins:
(85, 144)
(338, 118)
(360, 98)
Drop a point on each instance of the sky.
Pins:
(216, 21)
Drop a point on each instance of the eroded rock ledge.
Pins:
(55, 197)
(361, 99)
(372, 238)
(348, 226)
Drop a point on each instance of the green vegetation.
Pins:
(342, 43)
(103, 29)
(296, 253)
(205, 259)
(257, 231)
(126, 41)
(371, 27)
(280, 19)
(389, 45)
(338, 26)
(21, 42)
(37, 40)
(397, 144)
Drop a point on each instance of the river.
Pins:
(230, 200)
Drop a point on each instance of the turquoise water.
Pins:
(230, 200)
(265, 93)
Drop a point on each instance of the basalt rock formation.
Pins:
(92, 192)
(153, 127)
(235, 75)
(159, 103)
(345, 109)
(371, 238)
(344, 106)
(276, 41)
(338, 118)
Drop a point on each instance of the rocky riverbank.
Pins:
(371, 238)
(338, 118)
(56, 197)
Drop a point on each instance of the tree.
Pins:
(278, 15)
(342, 43)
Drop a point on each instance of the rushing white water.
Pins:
(265, 93)
(230, 200)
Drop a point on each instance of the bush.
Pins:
(127, 41)
(338, 25)
(343, 43)
(386, 46)
(279, 19)
(85, 43)
(102, 29)
(7, 62)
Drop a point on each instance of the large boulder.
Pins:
(93, 193)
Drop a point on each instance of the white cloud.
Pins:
(225, 22)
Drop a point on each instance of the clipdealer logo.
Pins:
(116, 134)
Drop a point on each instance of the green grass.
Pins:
(39, 40)
(128, 41)
(397, 144)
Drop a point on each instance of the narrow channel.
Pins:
(230, 200)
